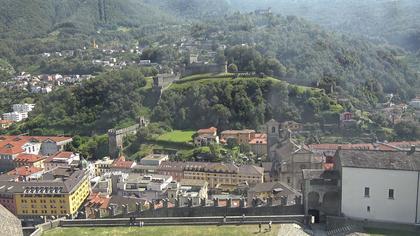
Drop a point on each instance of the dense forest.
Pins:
(99, 104)
(306, 54)
(288, 49)
(397, 22)
(239, 103)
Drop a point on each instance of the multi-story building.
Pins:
(7, 198)
(123, 165)
(12, 146)
(205, 137)
(26, 172)
(4, 124)
(214, 173)
(15, 116)
(24, 108)
(192, 189)
(380, 185)
(60, 192)
(25, 159)
(415, 103)
(258, 144)
(256, 141)
(154, 159)
(237, 136)
(62, 159)
(274, 190)
(103, 166)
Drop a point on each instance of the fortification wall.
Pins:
(204, 69)
(116, 138)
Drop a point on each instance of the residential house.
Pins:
(192, 190)
(273, 190)
(121, 164)
(237, 136)
(154, 159)
(204, 137)
(103, 166)
(62, 159)
(97, 206)
(25, 159)
(4, 124)
(258, 144)
(26, 172)
(15, 116)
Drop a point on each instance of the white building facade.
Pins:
(381, 186)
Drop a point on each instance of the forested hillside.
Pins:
(108, 100)
(397, 21)
(308, 55)
(240, 103)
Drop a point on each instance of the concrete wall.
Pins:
(401, 209)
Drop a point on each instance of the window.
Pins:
(273, 129)
(391, 193)
(368, 208)
(367, 192)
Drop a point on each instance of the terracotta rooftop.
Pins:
(62, 154)
(28, 158)
(260, 138)
(210, 130)
(24, 171)
(96, 200)
(120, 162)
(11, 149)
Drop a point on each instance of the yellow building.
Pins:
(103, 166)
(223, 174)
(238, 136)
(60, 192)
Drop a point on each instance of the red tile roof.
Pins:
(11, 149)
(260, 138)
(6, 141)
(6, 122)
(96, 200)
(24, 171)
(62, 154)
(120, 162)
(28, 158)
(210, 130)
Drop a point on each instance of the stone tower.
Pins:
(273, 139)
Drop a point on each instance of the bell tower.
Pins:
(273, 138)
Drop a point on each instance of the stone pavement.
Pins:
(291, 230)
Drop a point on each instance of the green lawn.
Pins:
(177, 136)
(165, 231)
